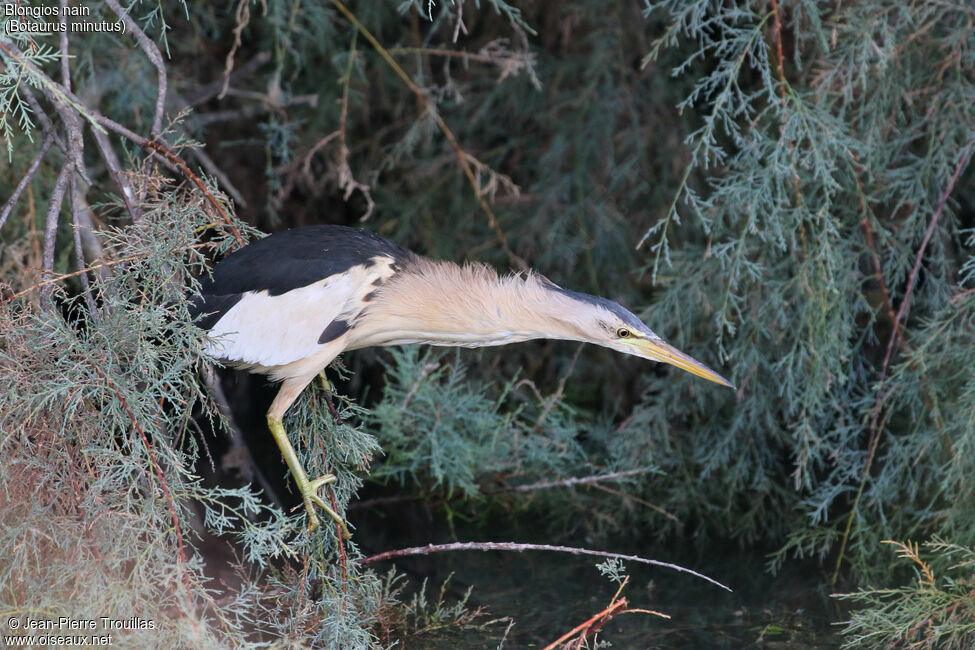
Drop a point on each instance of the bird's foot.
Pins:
(309, 495)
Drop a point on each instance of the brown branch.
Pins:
(961, 295)
(339, 533)
(208, 91)
(596, 622)
(422, 100)
(905, 307)
(518, 548)
(211, 168)
(196, 181)
(882, 397)
(243, 17)
(642, 502)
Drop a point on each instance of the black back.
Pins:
(289, 260)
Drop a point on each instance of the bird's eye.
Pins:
(623, 333)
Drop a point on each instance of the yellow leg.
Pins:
(307, 489)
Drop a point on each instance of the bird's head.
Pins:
(610, 325)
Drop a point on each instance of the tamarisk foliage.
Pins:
(780, 187)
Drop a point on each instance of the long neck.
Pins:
(441, 303)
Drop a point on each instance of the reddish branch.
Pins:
(923, 623)
(183, 167)
(591, 626)
(882, 396)
(905, 307)
(162, 479)
(594, 623)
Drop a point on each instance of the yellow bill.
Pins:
(658, 350)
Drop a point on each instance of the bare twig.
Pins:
(63, 39)
(25, 180)
(642, 502)
(424, 371)
(155, 57)
(243, 16)
(518, 548)
(129, 197)
(196, 181)
(208, 91)
(77, 199)
(46, 125)
(346, 180)
(51, 229)
(100, 120)
(569, 482)
(616, 606)
(554, 398)
(216, 172)
(460, 26)
(252, 110)
(74, 161)
(961, 295)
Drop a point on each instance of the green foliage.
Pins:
(937, 610)
(439, 428)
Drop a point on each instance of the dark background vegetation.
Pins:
(781, 189)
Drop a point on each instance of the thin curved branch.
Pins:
(51, 229)
(155, 57)
(518, 548)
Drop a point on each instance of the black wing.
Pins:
(286, 261)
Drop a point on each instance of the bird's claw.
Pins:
(309, 493)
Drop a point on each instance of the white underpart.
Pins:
(464, 339)
(279, 334)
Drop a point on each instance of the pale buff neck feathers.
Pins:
(441, 303)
